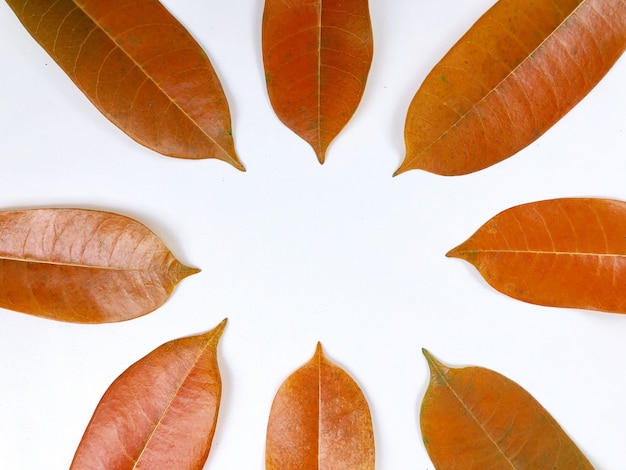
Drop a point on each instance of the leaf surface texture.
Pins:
(160, 414)
(141, 68)
(317, 55)
(319, 420)
(559, 252)
(83, 266)
(474, 418)
(521, 67)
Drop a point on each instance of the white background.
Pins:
(293, 252)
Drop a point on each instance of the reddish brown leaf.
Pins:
(516, 72)
(317, 55)
(83, 266)
(319, 420)
(140, 67)
(475, 418)
(560, 252)
(160, 413)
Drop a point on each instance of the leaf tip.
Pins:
(234, 161)
(318, 356)
(427, 354)
(399, 171)
(462, 251)
(191, 271)
(320, 150)
(219, 329)
(184, 271)
(435, 366)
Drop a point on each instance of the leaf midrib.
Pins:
(74, 265)
(319, 78)
(319, 409)
(544, 252)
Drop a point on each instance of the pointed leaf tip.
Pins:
(433, 363)
(454, 252)
(401, 169)
(186, 271)
(219, 329)
(237, 164)
(319, 351)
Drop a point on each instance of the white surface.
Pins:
(293, 252)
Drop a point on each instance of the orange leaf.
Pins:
(319, 420)
(160, 413)
(520, 68)
(83, 266)
(560, 252)
(140, 67)
(475, 418)
(317, 55)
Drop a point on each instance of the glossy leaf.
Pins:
(140, 67)
(83, 266)
(475, 418)
(515, 73)
(319, 420)
(160, 413)
(317, 56)
(559, 252)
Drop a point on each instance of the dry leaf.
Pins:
(140, 67)
(317, 55)
(160, 414)
(319, 420)
(520, 68)
(560, 252)
(475, 418)
(83, 266)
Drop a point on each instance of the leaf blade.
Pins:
(83, 266)
(317, 57)
(514, 74)
(567, 252)
(139, 66)
(475, 418)
(319, 419)
(159, 413)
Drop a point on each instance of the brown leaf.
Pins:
(520, 68)
(475, 418)
(140, 67)
(317, 55)
(83, 266)
(160, 413)
(319, 420)
(560, 252)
